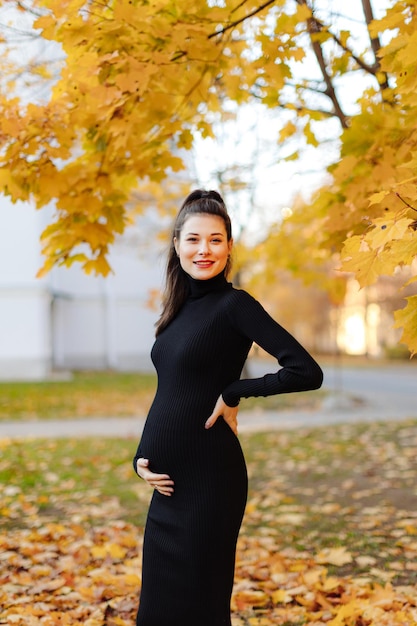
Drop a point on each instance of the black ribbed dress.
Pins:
(190, 537)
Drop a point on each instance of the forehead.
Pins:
(204, 223)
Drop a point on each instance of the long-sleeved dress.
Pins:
(190, 537)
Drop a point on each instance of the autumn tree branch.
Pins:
(314, 26)
(405, 201)
(375, 42)
(242, 19)
(300, 109)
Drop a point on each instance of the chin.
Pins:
(203, 276)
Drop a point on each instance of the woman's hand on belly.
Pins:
(160, 482)
(228, 413)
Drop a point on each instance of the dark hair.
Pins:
(176, 281)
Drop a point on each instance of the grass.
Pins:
(84, 394)
(106, 394)
(313, 490)
(121, 394)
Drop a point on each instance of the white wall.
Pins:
(25, 339)
(70, 320)
(106, 322)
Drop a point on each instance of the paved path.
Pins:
(335, 410)
(355, 395)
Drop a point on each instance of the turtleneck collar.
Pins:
(199, 288)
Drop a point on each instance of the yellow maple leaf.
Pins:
(99, 266)
(250, 597)
(288, 131)
(185, 139)
(407, 319)
(346, 614)
(334, 556)
(376, 198)
(363, 263)
(385, 230)
(116, 551)
(99, 552)
(109, 549)
(281, 596)
(47, 24)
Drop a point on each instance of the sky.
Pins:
(250, 143)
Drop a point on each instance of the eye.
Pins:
(192, 239)
(217, 240)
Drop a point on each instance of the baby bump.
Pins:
(174, 447)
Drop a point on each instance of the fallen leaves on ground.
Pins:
(292, 587)
(64, 573)
(68, 574)
(329, 537)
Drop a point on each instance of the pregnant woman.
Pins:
(189, 452)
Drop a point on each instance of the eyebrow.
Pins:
(211, 234)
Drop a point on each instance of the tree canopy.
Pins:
(139, 79)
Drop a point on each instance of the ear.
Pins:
(230, 245)
(176, 245)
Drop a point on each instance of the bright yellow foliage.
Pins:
(137, 79)
(390, 163)
(368, 212)
(407, 319)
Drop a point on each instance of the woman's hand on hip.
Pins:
(228, 413)
(161, 482)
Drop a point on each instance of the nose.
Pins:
(203, 247)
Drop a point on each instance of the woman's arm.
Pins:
(298, 370)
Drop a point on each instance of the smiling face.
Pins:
(203, 247)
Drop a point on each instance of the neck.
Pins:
(199, 288)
